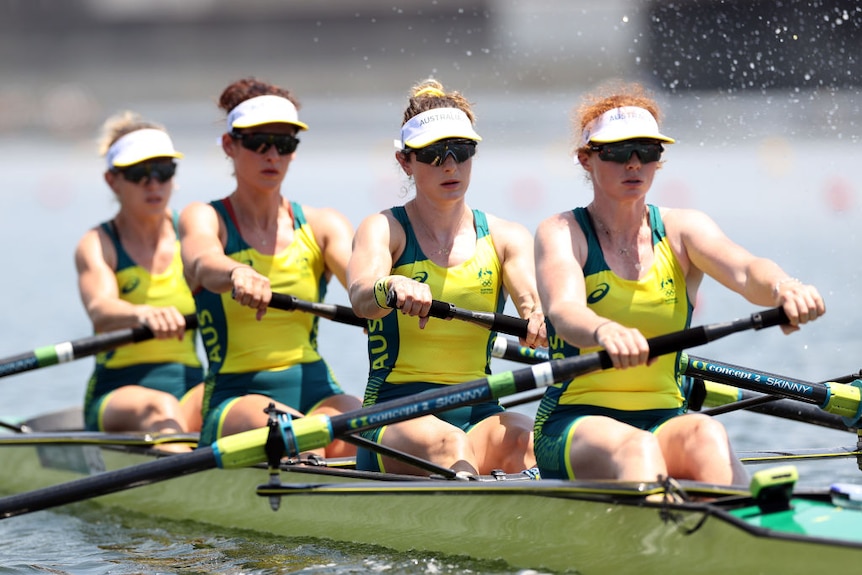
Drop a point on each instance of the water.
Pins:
(778, 173)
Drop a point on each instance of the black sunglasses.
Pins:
(436, 153)
(621, 152)
(260, 143)
(159, 171)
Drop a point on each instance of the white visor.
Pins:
(140, 145)
(626, 123)
(434, 125)
(261, 110)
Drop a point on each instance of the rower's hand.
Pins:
(801, 302)
(537, 331)
(410, 298)
(626, 346)
(251, 289)
(164, 322)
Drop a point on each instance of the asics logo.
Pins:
(130, 286)
(597, 294)
(421, 277)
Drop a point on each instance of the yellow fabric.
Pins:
(657, 304)
(138, 286)
(475, 284)
(282, 338)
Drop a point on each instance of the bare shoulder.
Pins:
(682, 221)
(380, 222)
(506, 228)
(91, 240)
(325, 215)
(195, 210)
(94, 248)
(562, 222)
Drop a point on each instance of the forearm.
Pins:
(109, 314)
(764, 281)
(577, 324)
(368, 296)
(214, 272)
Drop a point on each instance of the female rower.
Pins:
(436, 246)
(130, 274)
(621, 270)
(239, 250)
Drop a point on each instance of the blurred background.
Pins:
(66, 63)
(762, 96)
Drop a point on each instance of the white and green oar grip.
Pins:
(248, 448)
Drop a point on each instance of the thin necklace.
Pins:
(633, 258)
(261, 234)
(441, 250)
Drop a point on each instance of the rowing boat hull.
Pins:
(588, 527)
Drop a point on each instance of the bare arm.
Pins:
(95, 260)
(759, 280)
(561, 250)
(515, 245)
(202, 236)
(369, 277)
(334, 235)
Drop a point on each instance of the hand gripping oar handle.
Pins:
(507, 349)
(76, 349)
(695, 336)
(490, 320)
(336, 313)
(316, 431)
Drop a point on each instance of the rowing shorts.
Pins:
(173, 378)
(464, 418)
(553, 436)
(302, 386)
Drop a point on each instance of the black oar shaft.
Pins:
(76, 349)
(536, 376)
(490, 320)
(760, 381)
(250, 447)
(105, 483)
(442, 310)
(505, 348)
(334, 312)
(837, 398)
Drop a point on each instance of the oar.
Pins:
(316, 431)
(440, 309)
(76, 349)
(505, 348)
(334, 312)
(87, 346)
(490, 320)
(719, 397)
(838, 398)
(141, 439)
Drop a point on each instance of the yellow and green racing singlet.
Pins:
(400, 352)
(655, 304)
(235, 341)
(138, 286)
